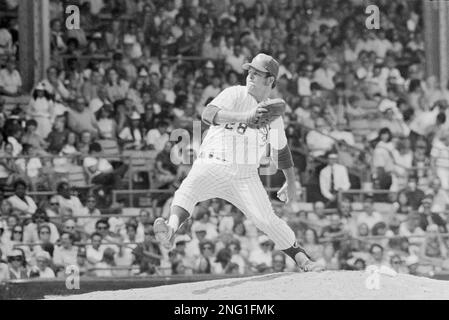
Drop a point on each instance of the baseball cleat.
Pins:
(164, 233)
(310, 266)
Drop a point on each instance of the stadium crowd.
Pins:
(361, 115)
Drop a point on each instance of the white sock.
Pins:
(173, 222)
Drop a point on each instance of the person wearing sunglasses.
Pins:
(39, 218)
(205, 264)
(53, 209)
(16, 241)
(17, 265)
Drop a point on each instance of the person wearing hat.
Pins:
(333, 178)
(17, 265)
(240, 130)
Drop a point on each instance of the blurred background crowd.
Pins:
(367, 129)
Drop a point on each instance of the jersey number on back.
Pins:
(239, 127)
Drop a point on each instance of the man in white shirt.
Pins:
(262, 258)
(369, 216)
(440, 159)
(305, 80)
(10, 80)
(158, 137)
(95, 250)
(101, 171)
(318, 141)
(237, 59)
(324, 75)
(333, 178)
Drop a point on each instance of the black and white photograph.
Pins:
(240, 152)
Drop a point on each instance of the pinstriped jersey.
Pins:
(236, 142)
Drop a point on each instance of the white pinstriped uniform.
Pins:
(228, 168)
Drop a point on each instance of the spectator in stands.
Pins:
(80, 118)
(368, 215)
(427, 217)
(41, 109)
(336, 230)
(44, 240)
(131, 136)
(42, 268)
(204, 264)
(318, 141)
(116, 86)
(105, 268)
(148, 254)
(107, 125)
(39, 219)
(16, 242)
(440, 159)
(440, 196)
(58, 135)
(83, 144)
(411, 227)
(311, 244)
(414, 195)
(329, 259)
(100, 171)
(67, 200)
(203, 219)
(10, 170)
(14, 138)
(378, 257)
(17, 265)
(433, 250)
(32, 138)
(333, 178)
(20, 201)
(383, 158)
(261, 259)
(95, 250)
(66, 253)
(10, 79)
(157, 138)
(402, 206)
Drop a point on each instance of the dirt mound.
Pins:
(287, 286)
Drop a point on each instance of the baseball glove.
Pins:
(267, 111)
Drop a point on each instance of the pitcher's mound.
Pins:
(286, 286)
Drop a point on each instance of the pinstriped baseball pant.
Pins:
(239, 185)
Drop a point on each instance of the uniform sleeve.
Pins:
(277, 137)
(227, 99)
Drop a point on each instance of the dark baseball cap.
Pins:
(265, 63)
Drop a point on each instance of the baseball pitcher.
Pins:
(243, 121)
